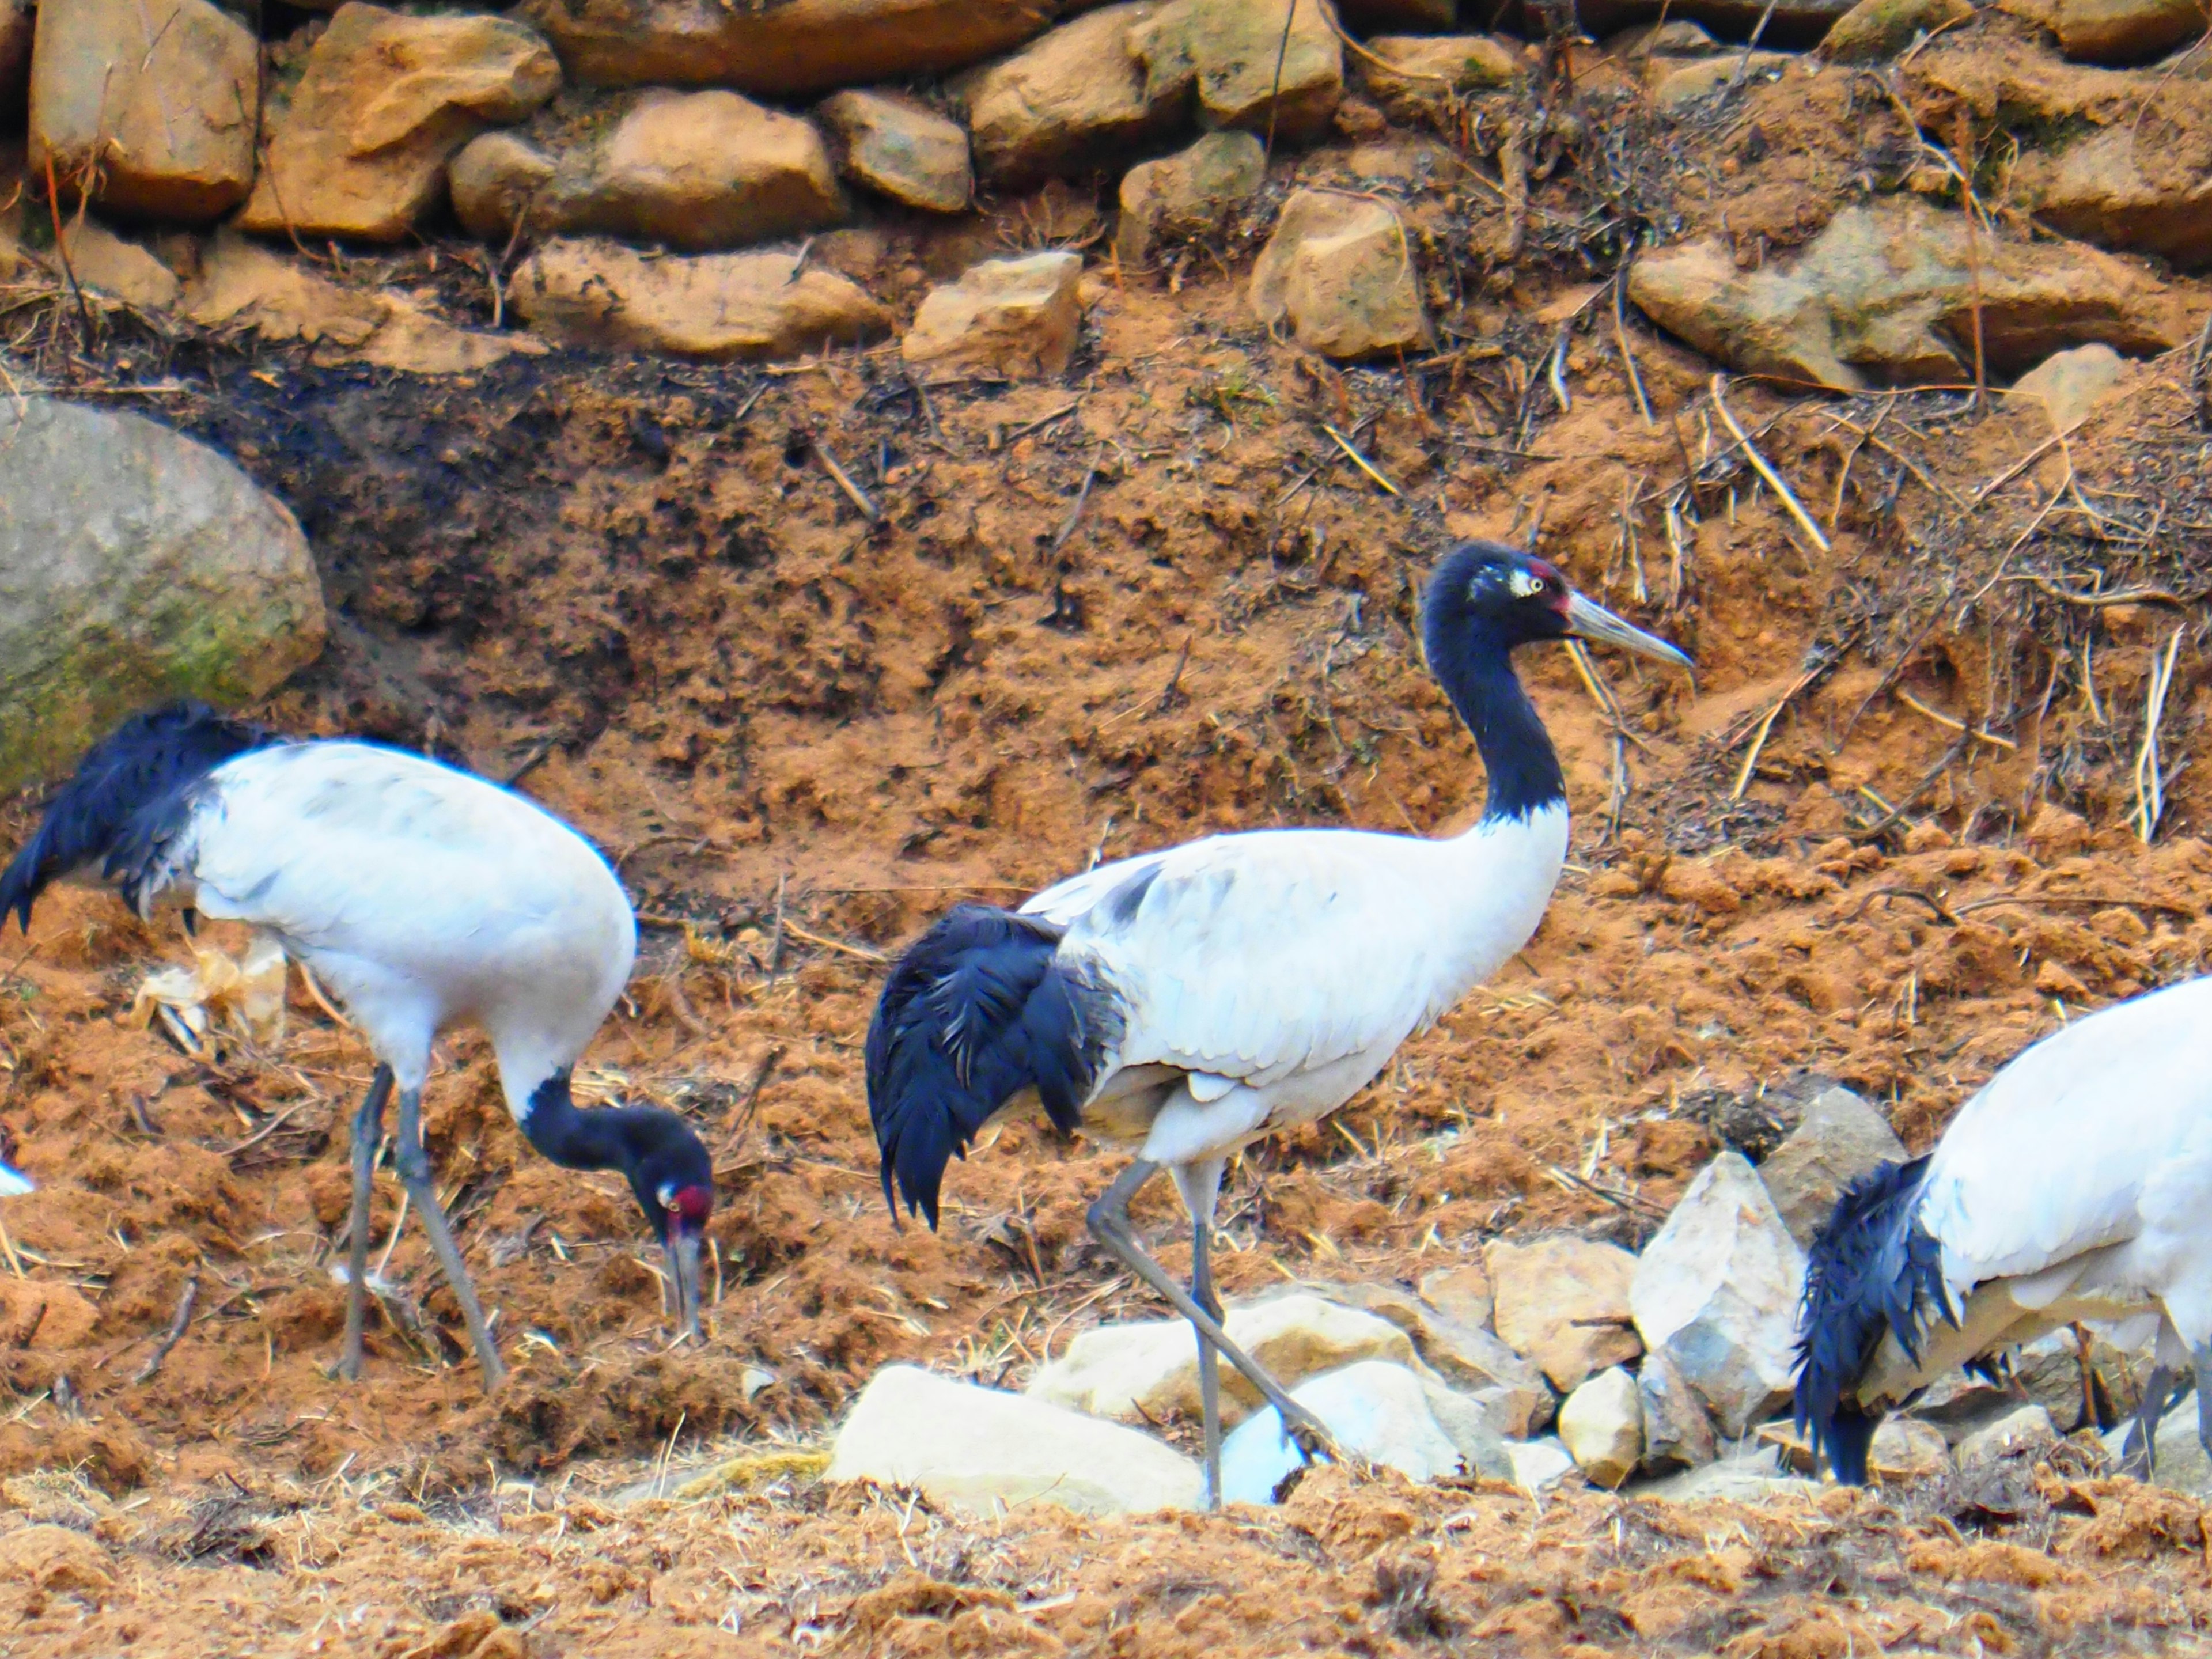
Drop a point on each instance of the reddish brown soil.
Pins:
(1174, 608)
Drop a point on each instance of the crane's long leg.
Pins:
(2139, 1450)
(368, 1134)
(2202, 1355)
(1200, 1184)
(414, 1174)
(1110, 1225)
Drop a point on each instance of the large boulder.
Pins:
(1838, 1139)
(1886, 294)
(987, 1451)
(153, 99)
(1148, 1370)
(1717, 1289)
(1231, 57)
(899, 147)
(1003, 320)
(1375, 1410)
(699, 171)
(1602, 1425)
(1187, 195)
(723, 306)
(1339, 271)
(360, 147)
(134, 566)
(2107, 187)
(793, 47)
(1071, 100)
(1562, 1302)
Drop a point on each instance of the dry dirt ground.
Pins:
(1886, 837)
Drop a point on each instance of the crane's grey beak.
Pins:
(1588, 620)
(684, 1266)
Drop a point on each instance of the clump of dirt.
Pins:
(1886, 839)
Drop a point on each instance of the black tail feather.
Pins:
(977, 1010)
(117, 808)
(1873, 1269)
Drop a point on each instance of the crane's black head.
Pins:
(1486, 597)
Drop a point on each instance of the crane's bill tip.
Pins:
(13, 1183)
(1589, 620)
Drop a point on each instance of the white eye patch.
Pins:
(1523, 584)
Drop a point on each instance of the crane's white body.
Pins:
(1265, 978)
(424, 897)
(2077, 1186)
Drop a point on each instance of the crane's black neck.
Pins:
(598, 1140)
(655, 1151)
(1474, 665)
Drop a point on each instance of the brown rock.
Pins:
(1005, 318)
(1882, 28)
(1340, 269)
(1419, 75)
(2126, 31)
(54, 1557)
(2105, 187)
(1511, 1390)
(157, 100)
(899, 147)
(1562, 1302)
(1886, 294)
(1676, 87)
(796, 46)
(496, 181)
(1461, 1293)
(1072, 101)
(387, 98)
(1187, 195)
(725, 306)
(104, 261)
(1228, 52)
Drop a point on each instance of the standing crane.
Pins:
(1187, 1001)
(2076, 1185)
(423, 897)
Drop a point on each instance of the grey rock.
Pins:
(1677, 1431)
(1375, 1410)
(2182, 1465)
(1470, 1422)
(1905, 1449)
(1958, 1406)
(1749, 1477)
(1512, 1392)
(1838, 1139)
(1539, 1465)
(1717, 1289)
(2023, 1429)
(899, 147)
(980, 1449)
(134, 565)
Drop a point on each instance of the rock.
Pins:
(360, 148)
(1228, 52)
(799, 46)
(1676, 39)
(1422, 16)
(1149, 1369)
(1538, 1464)
(1461, 1294)
(1957, 1406)
(1716, 1292)
(134, 565)
(105, 262)
(1748, 1477)
(979, 1448)
(52, 1558)
(157, 98)
(2027, 1429)
(1602, 1425)
(720, 306)
(899, 147)
(2181, 1464)
(1562, 1302)
(2125, 31)
(1187, 194)
(1375, 1410)
(1905, 1449)
(1511, 1392)
(1677, 1431)
(1071, 102)
(1885, 294)
(2068, 384)
(1676, 87)
(497, 180)
(1417, 76)
(2050, 1370)
(2105, 188)
(1340, 269)
(1882, 28)
(1838, 1139)
(1471, 1424)
(1005, 318)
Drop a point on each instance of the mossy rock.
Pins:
(1882, 29)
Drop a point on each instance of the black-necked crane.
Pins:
(423, 897)
(2076, 1185)
(1187, 1001)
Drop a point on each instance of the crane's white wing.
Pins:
(2082, 1141)
(1257, 957)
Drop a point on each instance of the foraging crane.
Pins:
(2074, 1186)
(423, 897)
(1186, 1002)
